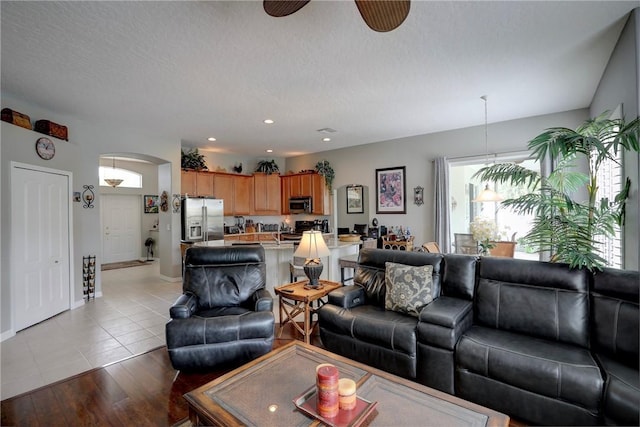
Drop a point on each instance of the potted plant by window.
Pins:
(564, 226)
(324, 168)
(192, 159)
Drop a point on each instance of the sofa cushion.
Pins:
(408, 288)
(541, 299)
(373, 325)
(549, 368)
(621, 393)
(371, 271)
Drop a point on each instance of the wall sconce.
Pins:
(175, 202)
(88, 196)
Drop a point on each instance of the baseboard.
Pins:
(77, 304)
(7, 334)
(171, 279)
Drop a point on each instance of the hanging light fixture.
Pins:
(487, 195)
(113, 182)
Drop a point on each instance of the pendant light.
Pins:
(113, 182)
(487, 195)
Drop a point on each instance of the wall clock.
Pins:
(45, 148)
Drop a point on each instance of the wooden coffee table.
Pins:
(294, 300)
(261, 393)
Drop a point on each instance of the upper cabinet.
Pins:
(196, 183)
(266, 194)
(236, 191)
(307, 184)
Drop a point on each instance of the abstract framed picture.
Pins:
(391, 191)
(150, 204)
(354, 199)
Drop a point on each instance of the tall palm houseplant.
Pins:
(563, 226)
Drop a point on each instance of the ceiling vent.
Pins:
(327, 130)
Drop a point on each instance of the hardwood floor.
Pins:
(139, 391)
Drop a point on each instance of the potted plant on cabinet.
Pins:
(267, 166)
(564, 226)
(192, 159)
(324, 168)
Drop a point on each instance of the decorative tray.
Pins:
(307, 403)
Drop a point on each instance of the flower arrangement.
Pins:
(484, 231)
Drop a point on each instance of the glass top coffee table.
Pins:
(261, 393)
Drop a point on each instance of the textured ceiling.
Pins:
(190, 70)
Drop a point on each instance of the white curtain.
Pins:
(441, 204)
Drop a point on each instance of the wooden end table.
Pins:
(294, 299)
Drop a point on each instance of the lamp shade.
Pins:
(488, 195)
(312, 245)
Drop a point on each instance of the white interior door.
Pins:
(40, 256)
(121, 227)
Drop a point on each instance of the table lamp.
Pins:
(312, 247)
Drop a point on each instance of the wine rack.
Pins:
(89, 276)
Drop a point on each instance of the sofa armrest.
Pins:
(347, 296)
(184, 306)
(444, 321)
(262, 300)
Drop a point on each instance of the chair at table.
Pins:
(465, 244)
(503, 249)
(343, 230)
(225, 314)
(431, 247)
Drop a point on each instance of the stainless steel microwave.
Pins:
(300, 205)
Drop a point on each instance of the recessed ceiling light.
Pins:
(268, 121)
(326, 139)
(212, 139)
(269, 150)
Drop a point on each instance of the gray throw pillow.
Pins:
(409, 288)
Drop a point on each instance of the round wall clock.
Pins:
(45, 148)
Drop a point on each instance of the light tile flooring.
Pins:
(129, 319)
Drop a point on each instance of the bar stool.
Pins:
(349, 261)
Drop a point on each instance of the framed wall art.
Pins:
(355, 203)
(150, 204)
(391, 190)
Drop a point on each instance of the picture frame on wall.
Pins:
(150, 204)
(391, 190)
(355, 203)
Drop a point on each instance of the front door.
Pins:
(121, 228)
(40, 256)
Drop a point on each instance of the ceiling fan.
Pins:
(380, 15)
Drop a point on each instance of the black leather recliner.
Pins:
(527, 352)
(355, 324)
(225, 315)
(614, 311)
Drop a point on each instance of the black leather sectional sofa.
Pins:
(538, 341)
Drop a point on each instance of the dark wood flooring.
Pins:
(139, 391)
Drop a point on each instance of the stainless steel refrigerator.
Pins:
(202, 219)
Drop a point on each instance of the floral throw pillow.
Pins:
(409, 288)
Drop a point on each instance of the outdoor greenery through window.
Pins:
(130, 179)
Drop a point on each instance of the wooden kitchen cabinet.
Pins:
(236, 191)
(196, 183)
(266, 194)
(305, 185)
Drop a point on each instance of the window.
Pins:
(130, 179)
(464, 210)
(610, 179)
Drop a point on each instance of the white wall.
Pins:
(620, 84)
(87, 141)
(357, 165)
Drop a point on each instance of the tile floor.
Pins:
(129, 319)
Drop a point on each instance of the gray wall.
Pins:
(358, 164)
(619, 85)
(87, 141)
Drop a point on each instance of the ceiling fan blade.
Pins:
(383, 15)
(279, 8)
